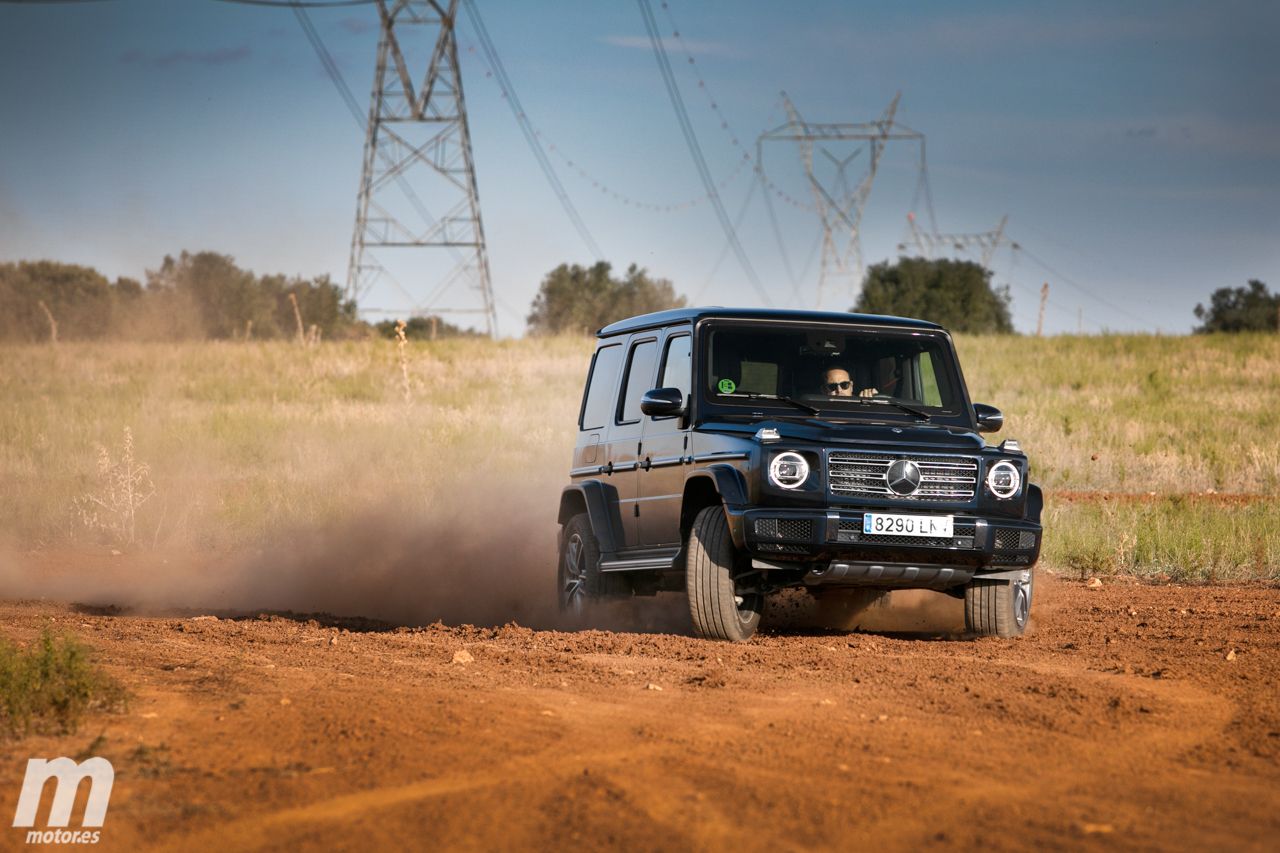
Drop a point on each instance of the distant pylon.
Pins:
(930, 244)
(419, 144)
(840, 205)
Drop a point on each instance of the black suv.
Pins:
(736, 452)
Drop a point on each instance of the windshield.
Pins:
(840, 372)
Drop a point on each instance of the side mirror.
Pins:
(662, 402)
(990, 419)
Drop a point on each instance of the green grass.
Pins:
(50, 685)
(244, 440)
(1184, 538)
(1164, 414)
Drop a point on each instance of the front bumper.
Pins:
(829, 547)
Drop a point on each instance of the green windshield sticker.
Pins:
(727, 386)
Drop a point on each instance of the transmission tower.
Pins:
(418, 142)
(839, 202)
(931, 244)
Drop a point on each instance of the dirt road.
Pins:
(1119, 722)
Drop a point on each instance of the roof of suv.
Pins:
(693, 315)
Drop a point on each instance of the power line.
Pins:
(327, 61)
(1080, 287)
(714, 105)
(695, 150)
(526, 128)
(724, 253)
(601, 185)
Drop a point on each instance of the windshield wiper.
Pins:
(912, 410)
(805, 407)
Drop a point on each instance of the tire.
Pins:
(999, 608)
(719, 609)
(579, 581)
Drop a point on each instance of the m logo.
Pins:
(69, 775)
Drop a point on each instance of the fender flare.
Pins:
(1035, 503)
(594, 498)
(731, 487)
(728, 480)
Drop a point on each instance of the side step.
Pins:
(663, 562)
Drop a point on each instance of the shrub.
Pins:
(955, 294)
(50, 685)
(1240, 309)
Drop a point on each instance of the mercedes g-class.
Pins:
(733, 453)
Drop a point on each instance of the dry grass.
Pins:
(123, 485)
(246, 438)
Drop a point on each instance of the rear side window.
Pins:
(644, 357)
(599, 398)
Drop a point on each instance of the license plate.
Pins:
(925, 526)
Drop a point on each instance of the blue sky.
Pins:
(1135, 147)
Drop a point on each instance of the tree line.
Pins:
(205, 295)
(201, 295)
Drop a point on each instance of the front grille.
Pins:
(784, 528)
(851, 531)
(1010, 539)
(943, 478)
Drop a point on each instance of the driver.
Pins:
(837, 383)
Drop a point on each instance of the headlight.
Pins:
(1003, 480)
(788, 470)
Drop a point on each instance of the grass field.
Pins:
(1159, 454)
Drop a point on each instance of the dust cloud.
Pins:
(903, 611)
(483, 555)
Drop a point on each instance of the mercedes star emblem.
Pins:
(903, 477)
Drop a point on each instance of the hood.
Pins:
(894, 436)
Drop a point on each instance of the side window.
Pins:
(597, 402)
(677, 365)
(644, 356)
(929, 381)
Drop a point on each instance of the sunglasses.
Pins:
(839, 386)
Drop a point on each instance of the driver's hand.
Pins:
(868, 392)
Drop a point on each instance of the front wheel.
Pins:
(999, 608)
(721, 603)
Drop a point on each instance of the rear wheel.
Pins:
(721, 602)
(999, 608)
(578, 552)
(580, 582)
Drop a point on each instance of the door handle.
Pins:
(646, 464)
(607, 468)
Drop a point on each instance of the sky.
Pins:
(1134, 147)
